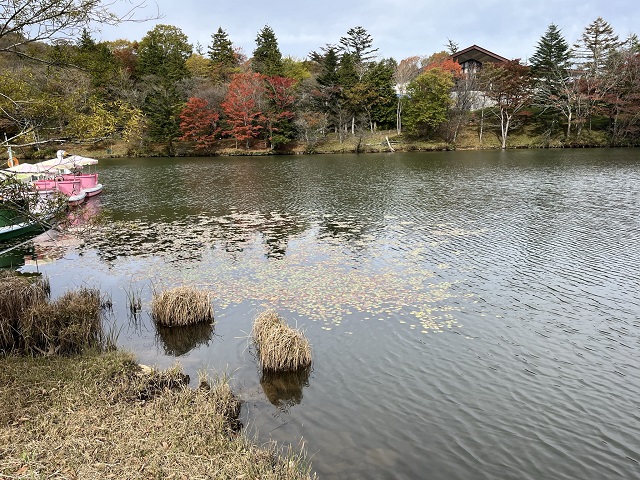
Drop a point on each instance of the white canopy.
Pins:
(24, 168)
(62, 163)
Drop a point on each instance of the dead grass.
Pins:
(66, 326)
(181, 306)
(85, 417)
(18, 293)
(280, 347)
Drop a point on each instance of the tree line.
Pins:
(65, 86)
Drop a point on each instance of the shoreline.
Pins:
(101, 415)
(377, 142)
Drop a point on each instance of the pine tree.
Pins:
(97, 60)
(86, 41)
(329, 63)
(554, 92)
(358, 42)
(598, 42)
(552, 54)
(267, 58)
(222, 55)
(163, 52)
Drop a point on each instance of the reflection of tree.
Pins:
(185, 240)
(180, 340)
(276, 235)
(284, 389)
(347, 231)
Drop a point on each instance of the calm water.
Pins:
(473, 315)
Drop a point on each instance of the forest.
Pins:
(161, 95)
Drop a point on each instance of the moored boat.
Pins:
(14, 224)
(24, 215)
(88, 182)
(71, 188)
(66, 177)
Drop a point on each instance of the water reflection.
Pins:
(188, 238)
(284, 389)
(481, 306)
(177, 341)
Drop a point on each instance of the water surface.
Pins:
(472, 314)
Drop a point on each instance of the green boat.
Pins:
(14, 223)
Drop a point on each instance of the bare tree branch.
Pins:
(23, 22)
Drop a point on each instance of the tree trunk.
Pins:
(505, 119)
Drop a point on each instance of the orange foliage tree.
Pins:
(199, 123)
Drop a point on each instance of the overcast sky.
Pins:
(399, 28)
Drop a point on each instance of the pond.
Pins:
(472, 314)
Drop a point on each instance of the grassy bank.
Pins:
(102, 416)
(73, 407)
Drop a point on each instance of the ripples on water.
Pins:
(473, 315)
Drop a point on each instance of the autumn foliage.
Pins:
(281, 95)
(199, 123)
(242, 107)
(448, 65)
(258, 104)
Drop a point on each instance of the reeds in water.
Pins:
(17, 294)
(280, 347)
(181, 306)
(68, 325)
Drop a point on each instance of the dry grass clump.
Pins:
(17, 294)
(181, 306)
(74, 418)
(66, 326)
(280, 347)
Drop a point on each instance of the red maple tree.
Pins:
(199, 123)
(241, 107)
(448, 65)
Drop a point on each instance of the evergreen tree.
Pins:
(267, 58)
(85, 41)
(550, 69)
(326, 98)
(97, 60)
(552, 54)
(224, 59)
(347, 75)
(598, 42)
(358, 42)
(162, 108)
(329, 67)
(380, 81)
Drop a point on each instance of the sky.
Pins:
(399, 28)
